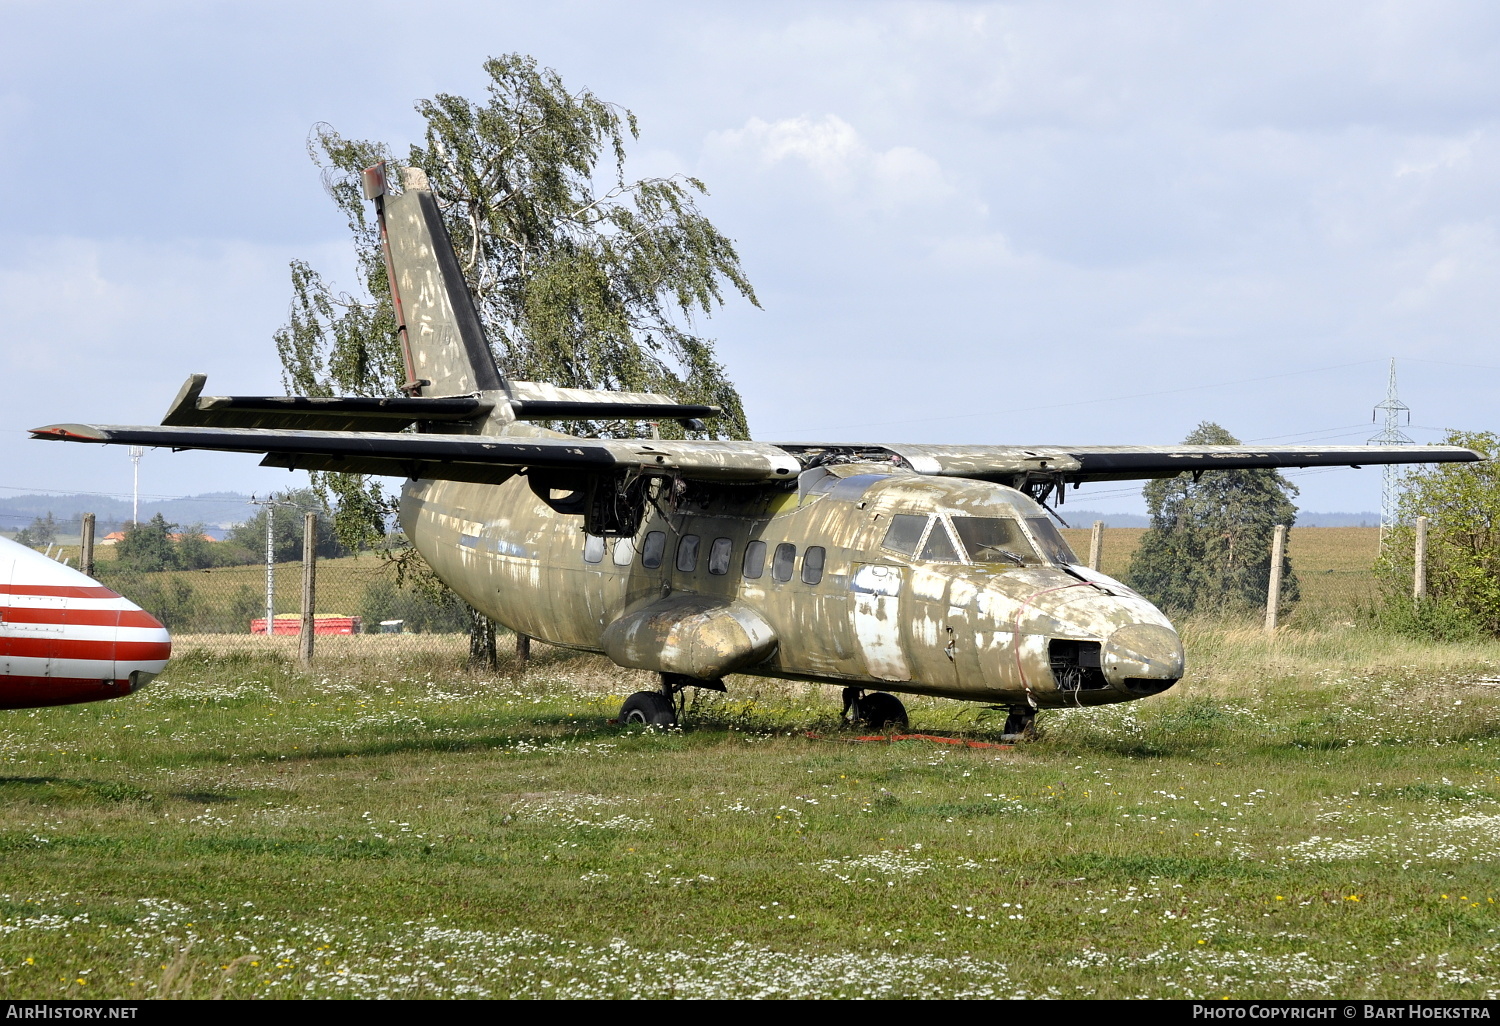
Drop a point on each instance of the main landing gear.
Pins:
(662, 708)
(1020, 725)
(876, 710)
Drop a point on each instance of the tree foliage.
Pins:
(1208, 549)
(41, 531)
(1462, 504)
(287, 528)
(582, 276)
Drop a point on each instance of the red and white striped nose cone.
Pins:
(66, 638)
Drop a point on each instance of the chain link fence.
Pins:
(364, 615)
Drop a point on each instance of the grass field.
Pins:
(1315, 814)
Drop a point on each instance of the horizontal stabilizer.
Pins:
(532, 400)
(316, 413)
(375, 413)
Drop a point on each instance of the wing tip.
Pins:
(69, 433)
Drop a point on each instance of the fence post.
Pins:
(1096, 545)
(1419, 567)
(1273, 590)
(86, 546)
(309, 588)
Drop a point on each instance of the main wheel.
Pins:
(648, 709)
(880, 711)
(1020, 725)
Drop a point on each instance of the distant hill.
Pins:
(1305, 518)
(215, 510)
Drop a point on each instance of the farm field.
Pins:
(1317, 814)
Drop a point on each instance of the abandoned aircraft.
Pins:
(918, 569)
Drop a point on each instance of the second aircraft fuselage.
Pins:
(864, 575)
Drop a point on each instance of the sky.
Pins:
(966, 222)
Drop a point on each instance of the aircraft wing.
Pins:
(494, 458)
(1078, 463)
(487, 459)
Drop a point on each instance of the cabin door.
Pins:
(877, 591)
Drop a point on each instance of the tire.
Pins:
(881, 711)
(648, 709)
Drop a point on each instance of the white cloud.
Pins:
(830, 150)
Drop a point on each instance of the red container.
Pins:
(323, 623)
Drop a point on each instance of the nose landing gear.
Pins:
(876, 710)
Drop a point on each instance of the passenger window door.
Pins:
(654, 549)
(719, 555)
(755, 560)
(783, 562)
(812, 564)
(687, 554)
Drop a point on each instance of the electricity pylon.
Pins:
(1391, 435)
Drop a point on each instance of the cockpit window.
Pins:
(1050, 540)
(995, 540)
(939, 547)
(904, 533)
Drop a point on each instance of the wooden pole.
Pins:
(1273, 590)
(1419, 563)
(523, 652)
(86, 546)
(1096, 545)
(309, 589)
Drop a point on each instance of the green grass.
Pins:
(1314, 815)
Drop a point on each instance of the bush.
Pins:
(1462, 504)
(425, 611)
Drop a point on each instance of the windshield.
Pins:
(1051, 542)
(995, 540)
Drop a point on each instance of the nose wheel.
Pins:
(876, 710)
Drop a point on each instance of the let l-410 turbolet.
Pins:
(923, 569)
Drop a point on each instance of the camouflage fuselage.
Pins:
(872, 617)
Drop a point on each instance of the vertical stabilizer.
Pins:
(441, 336)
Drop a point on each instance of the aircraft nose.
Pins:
(1143, 658)
(142, 647)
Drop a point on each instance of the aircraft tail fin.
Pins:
(442, 338)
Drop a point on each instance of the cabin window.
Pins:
(1050, 541)
(687, 553)
(593, 548)
(994, 540)
(624, 551)
(940, 547)
(719, 554)
(904, 533)
(812, 564)
(656, 547)
(755, 560)
(783, 561)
